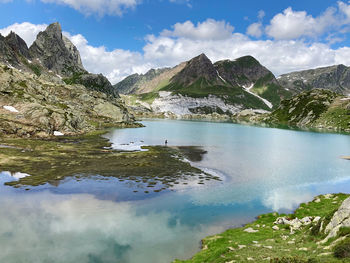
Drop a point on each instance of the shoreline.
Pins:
(297, 237)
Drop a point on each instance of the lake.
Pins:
(261, 170)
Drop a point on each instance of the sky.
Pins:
(122, 37)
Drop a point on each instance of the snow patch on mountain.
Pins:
(247, 89)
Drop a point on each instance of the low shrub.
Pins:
(342, 250)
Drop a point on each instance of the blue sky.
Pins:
(128, 36)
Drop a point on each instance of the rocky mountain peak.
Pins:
(54, 29)
(196, 68)
(7, 55)
(56, 52)
(17, 44)
(244, 71)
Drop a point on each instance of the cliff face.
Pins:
(56, 52)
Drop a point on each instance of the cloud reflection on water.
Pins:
(81, 228)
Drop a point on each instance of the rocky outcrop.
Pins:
(17, 44)
(56, 52)
(198, 68)
(96, 82)
(341, 218)
(32, 106)
(335, 78)
(7, 54)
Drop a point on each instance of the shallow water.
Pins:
(103, 221)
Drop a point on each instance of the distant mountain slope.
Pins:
(247, 72)
(153, 80)
(335, 78)
(199, 86)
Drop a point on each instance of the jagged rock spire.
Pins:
(56, 52)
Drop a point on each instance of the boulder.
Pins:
(341, 218)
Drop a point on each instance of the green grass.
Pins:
(270, 245)
(270, 91)
(74, 79)
(35, 68)
(148, 97)
(335, 117)
(291, 111)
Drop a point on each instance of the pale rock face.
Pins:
(341, 218)
(250, 230)
(181, 105)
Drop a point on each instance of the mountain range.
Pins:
(239, 84)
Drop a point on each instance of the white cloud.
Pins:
(186, 2)
(255, 30)
(44, 228)
(99, 7)
(114, 64)
(207, 30)
(294, 24)
(261, 14)
(27, 31)
(344, 8)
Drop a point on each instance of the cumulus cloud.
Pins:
(114, 64)
(208, 30)
(255, 30)
(99, 7)
(344, 8)
(294, 24)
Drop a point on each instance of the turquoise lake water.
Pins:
(262, 170)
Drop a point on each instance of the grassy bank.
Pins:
(264, 241)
